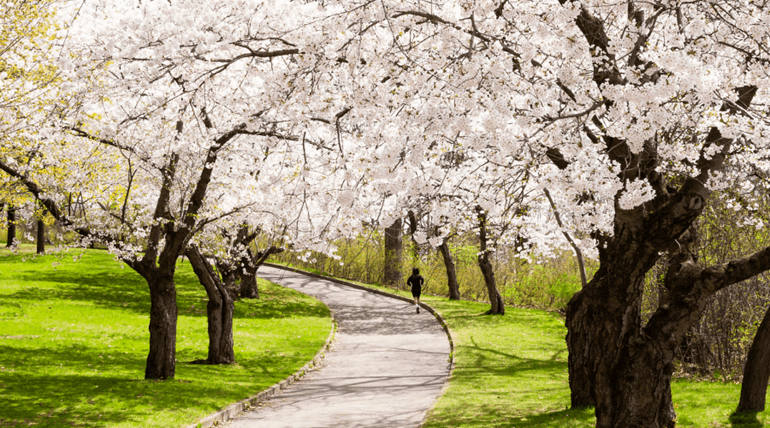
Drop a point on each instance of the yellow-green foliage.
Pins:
(27, 35)
(544, 284)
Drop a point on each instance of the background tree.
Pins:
(393, 253)
(10, 236)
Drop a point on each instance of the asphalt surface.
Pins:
(385, 368)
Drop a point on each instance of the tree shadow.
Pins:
(519, 356)
(49, 394)
(52, 383)
(70, 376)
(745, 420)
(106, 285)
(580, 416)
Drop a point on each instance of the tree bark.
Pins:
(451, 272)
(248, 271)
(392, 267)
(626, 368)
(495, 299)
(161, 360)
(40, 236)
(219, 309)
(11, 236)
(249, 287)
(613, 365)
(756, 372)
(412, 217)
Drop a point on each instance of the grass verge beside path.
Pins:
(511, 371)
(74, 340)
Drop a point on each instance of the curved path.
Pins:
(386, 367)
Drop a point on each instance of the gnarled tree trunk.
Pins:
(756, 372)
(392, 267)
(609, 360)
(625, 368)
(451, 273)
(219, 309)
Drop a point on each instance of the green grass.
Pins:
(511, 371)
(74, 339)
(712, 404)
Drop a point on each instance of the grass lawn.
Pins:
(511, 371)
(74, 339)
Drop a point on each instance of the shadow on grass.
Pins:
(56, 372)
(570, 417)
(745, 420)
(98, 279)
(84, 386)
(495, 416)
(73, 397)
(510, 370)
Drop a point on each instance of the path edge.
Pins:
(428, 308)
(233, 410)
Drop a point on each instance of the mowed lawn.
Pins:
(511, 371)
(74, 339)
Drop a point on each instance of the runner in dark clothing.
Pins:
(415, 282)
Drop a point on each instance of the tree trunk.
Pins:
(40, 237)
(161, 360)
(219, 309)
(392, 268)
(624, 374)
(451, 273)
(248, 270)
(495, 299)
(756, 372)
(249, 288)
(226, 352)
(578, 347)
(412, 230)
(614, 363)
(11, 237)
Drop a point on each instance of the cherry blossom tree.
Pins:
(634, 113)
(288, 212)
(184, 100)
(629, 114)
(30, 89)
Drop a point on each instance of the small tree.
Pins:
(393, 253)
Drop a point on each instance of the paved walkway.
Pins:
(386, 368)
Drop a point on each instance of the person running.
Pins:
(415, 282)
